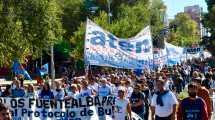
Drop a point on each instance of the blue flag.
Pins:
(44, 70)
(20, 70)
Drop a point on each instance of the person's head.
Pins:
(46, 87)
(84, 83)
(30, 88)
(192, 90)
(57, 84)
(197, 81)
(195, 74)
(137, 88)
(160, 83)
(103, 81)
(4, 112)
(208, 76)
(16, 83)
(121, 92)
(128, 82)
(74, 88)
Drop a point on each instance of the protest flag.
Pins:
(18, 69)
(37, 76)
(44, 69)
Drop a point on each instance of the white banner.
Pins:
(175, 53)
(85, 108)
(104, 49)
(160, 57)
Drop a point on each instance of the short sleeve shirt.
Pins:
(169, 99)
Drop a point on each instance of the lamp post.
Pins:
(52, 66)
(109, 12)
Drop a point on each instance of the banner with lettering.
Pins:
(160, 57)
(104, 49)
(85, 108)
(174, 54)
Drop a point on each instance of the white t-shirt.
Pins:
(120, 109)
(72, 94)
(115, 91)
(94, 86)
(169, 99)
(129, 92)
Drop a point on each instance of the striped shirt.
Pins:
(204, 94)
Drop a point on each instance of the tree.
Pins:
(186, 32)
(209, 23)
(74, 12)
(129, 17)
(28, 27)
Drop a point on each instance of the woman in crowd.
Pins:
(86, 91)
(58, 92)
(17, 91)
(72, 92)
(46, 92)
(30, 91)
(122, 109)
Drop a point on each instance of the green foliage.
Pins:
(187, 31)
(74, 13)
(209, 23)
(128, 21)
(28, 27)
(63, 48)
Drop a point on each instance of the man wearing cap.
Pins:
(204, 94)
(163, 104)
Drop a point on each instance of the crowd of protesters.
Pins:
(181, 92)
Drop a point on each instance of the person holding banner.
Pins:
(30, 92)
(46, 92)
(122, 107)
(86, 91)
(72, 92)
(58, 92)
(17, 91)
(104, 89)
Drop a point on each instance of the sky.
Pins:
(176, 6)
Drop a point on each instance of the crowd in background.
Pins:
(160, 92)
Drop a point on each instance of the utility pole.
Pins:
(52, 66)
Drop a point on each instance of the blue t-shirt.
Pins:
(18, 92)
(46, 95)
(104, 90)
(192, 109)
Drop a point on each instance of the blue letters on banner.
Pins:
(104, 49)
